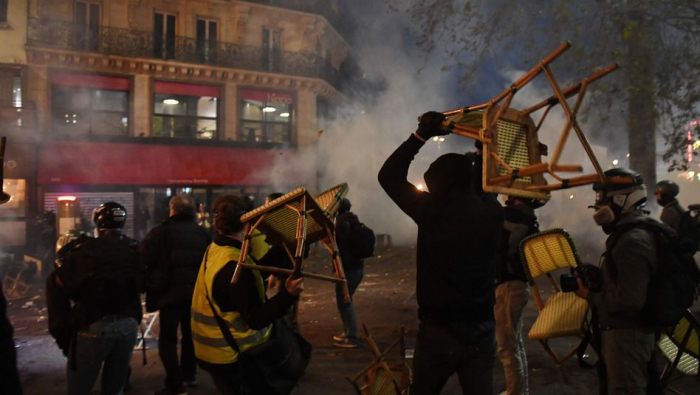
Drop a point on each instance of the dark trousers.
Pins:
(176, 372)
(442, 351)
(228, 381)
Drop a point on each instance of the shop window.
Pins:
(266, 116)
(3, 11)
(84, 104)
(16, 207)
(185, 110)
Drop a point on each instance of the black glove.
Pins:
(430, 125)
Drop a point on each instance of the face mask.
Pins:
(604, 216)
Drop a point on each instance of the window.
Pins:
(266, 116)
(206, 41)
(89, 104)
(183, 110)
(3, 11)
(86, 29)
(271, 49)
(164, 36)
(16, 207)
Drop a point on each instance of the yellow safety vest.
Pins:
(209, 343)
(258, 245)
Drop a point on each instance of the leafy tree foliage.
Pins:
(656, 43)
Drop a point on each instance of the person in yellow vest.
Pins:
(242, 306)
(203, 217)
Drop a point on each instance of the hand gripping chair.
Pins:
(563, 313)
(296, 220)
(681, 347)
(512, 153)
(382, 377)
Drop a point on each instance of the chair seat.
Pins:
(687, 365)
(563, 315)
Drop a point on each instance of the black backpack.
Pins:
(674, 287)
(361, 241)
(689, 227)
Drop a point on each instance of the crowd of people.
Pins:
(471, 287)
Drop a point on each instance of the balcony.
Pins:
(142, 44)
(325, 8)
(16, 120)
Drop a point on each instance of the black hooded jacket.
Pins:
(459, 228)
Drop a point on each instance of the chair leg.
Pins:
(557, 361)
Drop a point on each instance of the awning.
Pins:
(96, 163)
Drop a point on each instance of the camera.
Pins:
(589, 275)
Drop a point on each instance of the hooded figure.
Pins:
(459, 227)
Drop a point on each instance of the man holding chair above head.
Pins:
(459, 227)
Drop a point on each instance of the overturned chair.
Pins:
(680, 345)
(512, 152)
(383, 376)
(563, 313)
(296, 220)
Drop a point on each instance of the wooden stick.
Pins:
(570, 91)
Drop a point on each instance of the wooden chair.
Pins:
(512, 153)
(681, 347)
(382, 377)
(294, 221)
(562, 314)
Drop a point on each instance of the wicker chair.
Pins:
(563, 313)
(383, 377)
(681, 347)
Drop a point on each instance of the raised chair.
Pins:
(680, 345)
(563, 313)
(296, 220)
(382, 376)
(512, 152)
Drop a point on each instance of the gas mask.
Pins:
(603, 215)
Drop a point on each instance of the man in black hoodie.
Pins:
(172, 253)
(458, 232)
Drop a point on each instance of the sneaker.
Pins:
(172, 391)
(346, 343)
(340, 338)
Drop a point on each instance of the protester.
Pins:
(353, 269)
(103, 279)
(627, 339)
(512, 291)
(172, 253)
(672, 213)
(458, 232)
(241, 306)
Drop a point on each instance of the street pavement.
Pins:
(384, 302)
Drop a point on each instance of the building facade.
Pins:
(138, 100)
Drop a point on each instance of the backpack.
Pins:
(361, 241)
(689, 227)
(674, 287)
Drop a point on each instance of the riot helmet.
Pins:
(110, 215)
(666, 191)
(623, 193)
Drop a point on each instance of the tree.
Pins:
(656, 43)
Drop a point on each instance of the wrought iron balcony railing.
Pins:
(142, 44)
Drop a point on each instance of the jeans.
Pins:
(441, 350)
(626, 353)
(106, 344)
(185, 369)
(511, 299)
(353, 276)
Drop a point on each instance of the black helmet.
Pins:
(110, 215)
(666, 191)
(625, 189)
